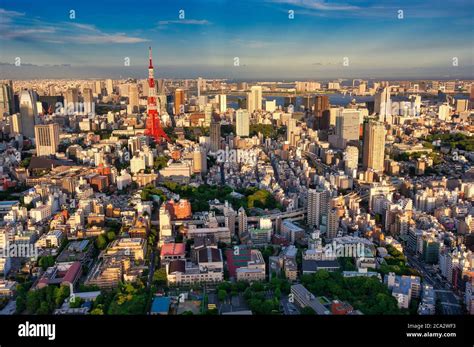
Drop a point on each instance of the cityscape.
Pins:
(139, 194)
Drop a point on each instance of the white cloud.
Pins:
(317, 5)
(185, 21)
(58, 33)
(106, 38)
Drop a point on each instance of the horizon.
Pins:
(272, 39)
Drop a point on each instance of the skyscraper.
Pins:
(133, 98)
(374, 146)
(351, 158)
(254, 99)
(222, 103)
(201, 86)
(291, 129)
(71, 101)
(88, 101)
(347, 127)
(199, 161)
(28, 112)
(333, 223)
(242, 120)
(6, 99)
(109, 85)
(98, 87)
(383, 105)
(317, 206)
(321, 112)
(215, 135)
(178, 101)
(242, 221)
(47, 139)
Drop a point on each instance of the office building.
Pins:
(6, 99)
(215, 136)
(347, 127)
(222, 103)
(47, 139)
(28, 113)
(254, 99)
(133, 99)
(242, 120)
(178, 101)
(374, 146)
(317, 206)
(89, 108)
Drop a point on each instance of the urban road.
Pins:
(449, 300)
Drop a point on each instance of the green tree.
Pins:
(101, 242)
(221, 294)
(307, 311)
(46, 261)
(160, 277)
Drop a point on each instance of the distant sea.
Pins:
(334, 99)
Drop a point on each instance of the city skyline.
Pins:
(269, 41)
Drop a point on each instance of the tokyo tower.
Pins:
(153, 123)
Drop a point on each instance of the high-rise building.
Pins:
(109, 85)
(133, 99)
(242, 221)
(374, 146)
(347, 127)
(254, 99)
(317, 206)
(222, 103)
(215, 136)
(333, 223)
(71, 101)
(98, 87)
(351, 158)
(383, 105)
(199, 161)
(208, 114)
(321, 112)
(178, 101)
(28, 112)
(242, 120)
(6, 99)
(47, 139)
(291, 129)
(88, 101)
(201, 86)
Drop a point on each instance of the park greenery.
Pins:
(150, 190)
(366, 294)
(459, 141)
(130, 299)
(396, 262)
(267, 130)
(199, 197)
(160, 162)
(40, 301)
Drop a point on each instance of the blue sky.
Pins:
(213, 32)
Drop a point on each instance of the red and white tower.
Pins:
(153, 123)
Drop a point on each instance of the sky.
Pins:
(269, 39)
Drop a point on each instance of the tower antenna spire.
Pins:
(151, 63)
